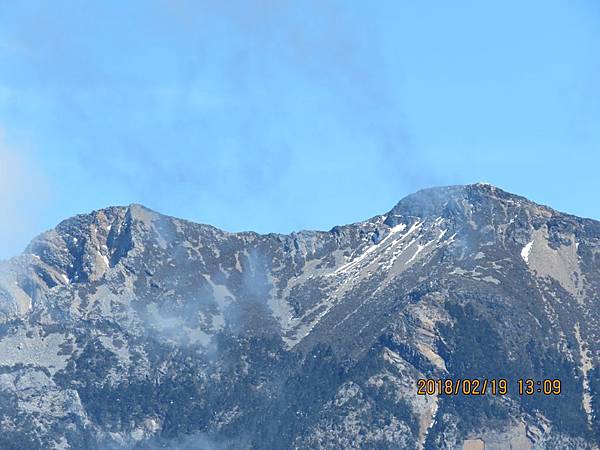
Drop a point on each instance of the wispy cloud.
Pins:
(23, 193)
(277, 111)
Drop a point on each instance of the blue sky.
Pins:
(278, 115)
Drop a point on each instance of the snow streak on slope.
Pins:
(396, 252)
(372, 250)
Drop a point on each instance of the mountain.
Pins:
(125, 328)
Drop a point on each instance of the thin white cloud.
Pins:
(23, 195)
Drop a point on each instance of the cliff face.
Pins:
(126, 328)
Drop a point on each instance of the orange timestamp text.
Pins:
(487, 386)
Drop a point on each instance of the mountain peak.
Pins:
(118, 306)
(450, 201)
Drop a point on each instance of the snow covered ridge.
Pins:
(401, 247)
(126, 328)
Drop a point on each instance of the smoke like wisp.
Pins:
(262, 95)
(321, 51)
(195, 441)
(23, 193)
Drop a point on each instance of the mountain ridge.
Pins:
(313, 339)
(139, 206)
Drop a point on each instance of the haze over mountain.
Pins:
(124, 328)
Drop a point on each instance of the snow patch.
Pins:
(105, 259)
(398, 228)
(419, 248)
(383, 244)
(525, 251)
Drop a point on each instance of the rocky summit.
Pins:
(125, 328)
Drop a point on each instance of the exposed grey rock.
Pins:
(125, 328)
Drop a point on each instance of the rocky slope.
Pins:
(124, 328)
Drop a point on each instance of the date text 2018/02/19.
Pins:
(485, 386)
